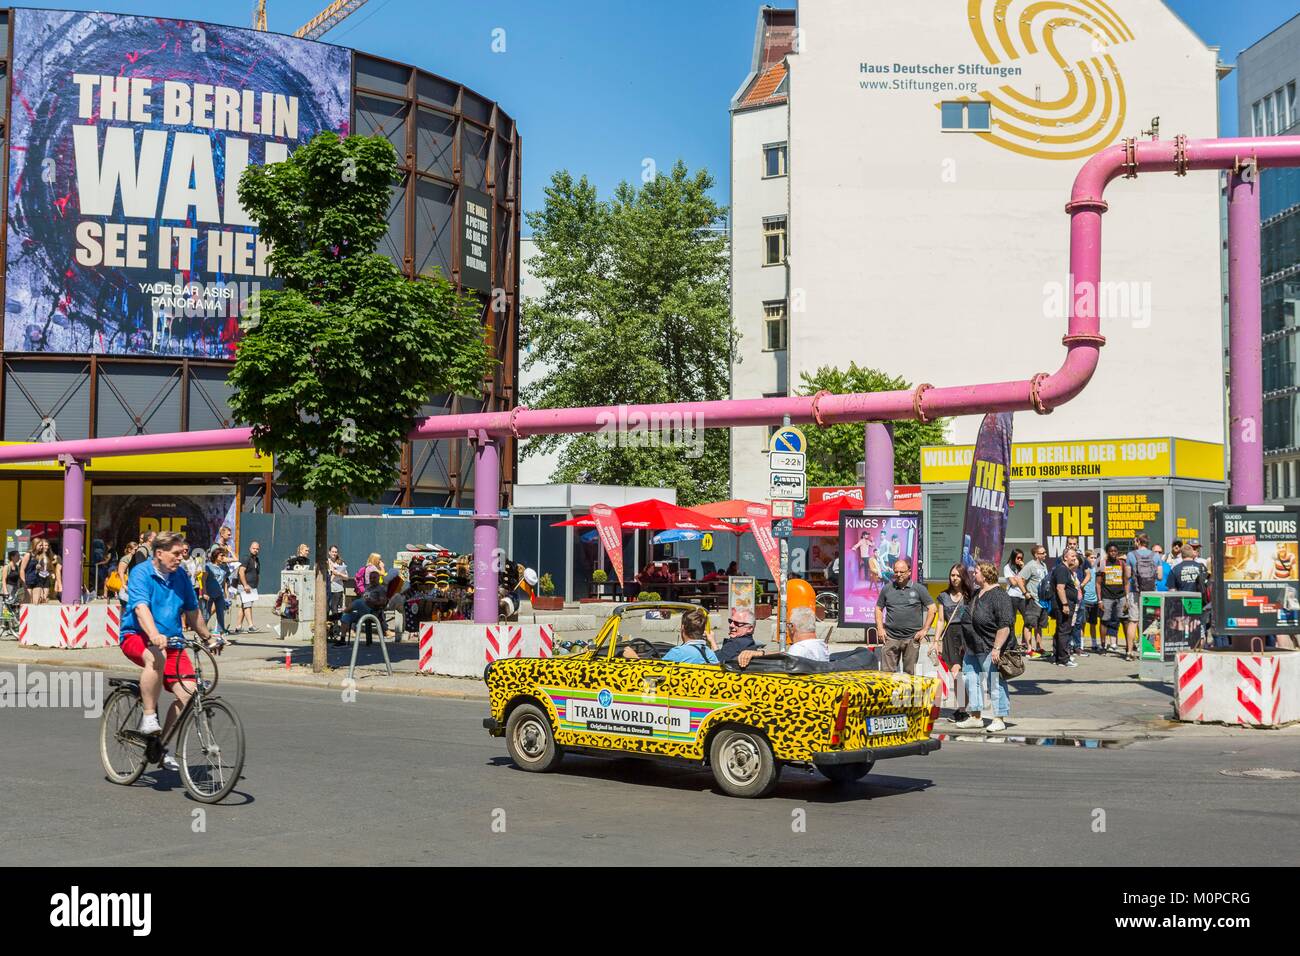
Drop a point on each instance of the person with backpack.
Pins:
(1144, 569)
(1038, 600)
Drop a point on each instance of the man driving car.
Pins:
(696, 646)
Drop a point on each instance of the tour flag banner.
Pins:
(761, 522)
(610, 531)
(987, 500)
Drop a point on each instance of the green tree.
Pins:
(335, 365)
(636, 310)
(834, 451)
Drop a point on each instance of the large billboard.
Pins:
(127, 139)
(872, 542)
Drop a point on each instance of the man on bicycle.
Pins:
(160, 599)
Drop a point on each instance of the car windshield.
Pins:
(650, 631)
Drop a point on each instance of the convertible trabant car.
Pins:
(743, 724)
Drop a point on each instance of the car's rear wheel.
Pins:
(743, 764)
(531, 740)
(846, 772)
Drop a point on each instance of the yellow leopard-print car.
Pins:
(744, 724)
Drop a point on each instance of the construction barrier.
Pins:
(464, 649)
(1226, 687)
(69, 626)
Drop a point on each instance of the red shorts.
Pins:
(178, 666)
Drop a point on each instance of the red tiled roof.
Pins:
(764, 86)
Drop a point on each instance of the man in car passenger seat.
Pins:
(804, 643)
(696, 646)
(740, 635)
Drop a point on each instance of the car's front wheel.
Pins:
(846, 772)
(743, 764)
(531, 741)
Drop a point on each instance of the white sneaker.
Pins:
(170, 762)
(149, 724)
(997, 725)
(1071, 663)
(970, 723)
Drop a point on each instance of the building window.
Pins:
(774, 247)
(960, 116)
(776, 326)
(774, 160)
(1257, 118)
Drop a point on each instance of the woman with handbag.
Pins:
(988, 639)
(950, 640)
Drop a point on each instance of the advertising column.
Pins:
(1257, 587)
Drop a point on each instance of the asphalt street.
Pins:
(392, 779)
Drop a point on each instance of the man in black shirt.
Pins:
(740, 635)
(1187, 575)
(250, 575)
(1065, 602)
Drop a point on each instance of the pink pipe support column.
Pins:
(1245, 345)
(487, 506)
(878, 466)
(74, 527)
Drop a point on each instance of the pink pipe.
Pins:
(1041, 393)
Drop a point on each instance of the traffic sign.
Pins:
(800, 509)
(786, 461)
(788, 486)
(784, 509)
(783, 528)
(788, 438)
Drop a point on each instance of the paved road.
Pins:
(393, 779)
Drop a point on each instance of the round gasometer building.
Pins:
(128, 259)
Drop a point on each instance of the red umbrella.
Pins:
(655, 515)
(736, 508)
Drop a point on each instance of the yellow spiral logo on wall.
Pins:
(1090, 114)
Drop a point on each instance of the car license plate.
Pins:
(893, 724)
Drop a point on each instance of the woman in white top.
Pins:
(1016, 584)
(338, 572)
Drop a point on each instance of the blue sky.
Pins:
(598, 86)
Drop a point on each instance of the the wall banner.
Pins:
(987, 494)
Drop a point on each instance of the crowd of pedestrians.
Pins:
(977, 616)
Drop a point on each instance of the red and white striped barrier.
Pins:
(69, 626)
(463, 648)
(1227, 687)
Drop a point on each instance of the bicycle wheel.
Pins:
(211, 751)
(205, 668)
(122, 755)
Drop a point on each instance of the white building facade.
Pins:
(916, 208)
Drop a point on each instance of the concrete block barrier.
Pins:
(464, 649)
(1230, 687)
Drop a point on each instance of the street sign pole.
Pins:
(781, 639)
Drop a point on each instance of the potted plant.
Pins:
(599, 584)
(762, 609)
(545, 599)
